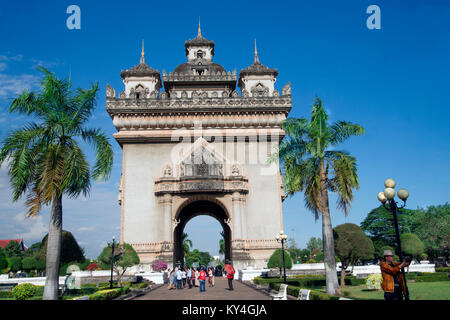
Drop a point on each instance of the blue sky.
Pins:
(394, 82)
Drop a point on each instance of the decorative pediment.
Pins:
(200, 167)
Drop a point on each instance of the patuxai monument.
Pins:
(194, 145)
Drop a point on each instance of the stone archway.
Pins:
(191, 210)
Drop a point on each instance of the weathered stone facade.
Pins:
(200, 147)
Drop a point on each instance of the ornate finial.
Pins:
(256, 54)
(142, 53)
(199, 34)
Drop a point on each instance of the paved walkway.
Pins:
(218, 292)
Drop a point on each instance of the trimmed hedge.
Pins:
(431, 277)
(5, 294)
(313, 295)
(140, 285)
(442, 269)
(308, 281)
(109, 294)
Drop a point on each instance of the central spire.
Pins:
(199, 34)
(142, 53)
(256, 60)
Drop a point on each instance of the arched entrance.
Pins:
(191, 210)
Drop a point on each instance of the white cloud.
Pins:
(86, 229)
(11, 85)
(45, 64)
(31, 230)
(17, 57)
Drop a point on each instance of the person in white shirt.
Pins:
(179, 278)
(183, 277)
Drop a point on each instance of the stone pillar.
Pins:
(243, 217)
(167, 217)
(237, 233)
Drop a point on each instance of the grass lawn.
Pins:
(417, 291)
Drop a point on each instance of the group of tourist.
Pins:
(180, 277)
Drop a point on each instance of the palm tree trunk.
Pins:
(343, 275)
(327, 235)
(54, 244)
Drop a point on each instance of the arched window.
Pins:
(260, 90)
(199, 54)
(140, 92)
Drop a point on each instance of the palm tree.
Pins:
(222, 246)
(187, 243)
(310, 166)
(45, 160)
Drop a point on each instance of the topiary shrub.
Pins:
(70, 250)
(276, 260)
(373, 281)
(24, 291)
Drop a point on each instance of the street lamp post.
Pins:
(282, 237)
(112, 263)
(388, 196)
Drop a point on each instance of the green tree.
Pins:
(294, 251)
(70, 250)
(14, 263)
(46, 160)
(432, 226)
(351, 246)
(276, 260)
(314, 246)
(202, 257)
(295, 254)
(379, 226)
(3, 261)
(411, 245)
(124, 257)
(186, 242)
(12, 249)
(29, 263)
(311, 166)
(222, 246)
(304, 255)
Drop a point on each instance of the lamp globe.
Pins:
(381, 197)
(389, 183)
(389, 193)
(403, 194)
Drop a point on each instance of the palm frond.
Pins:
(103, 151)
(342, 130)
(83, 104)
(344, 179)
(22, 147)
(318, 130)
(76, 176)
